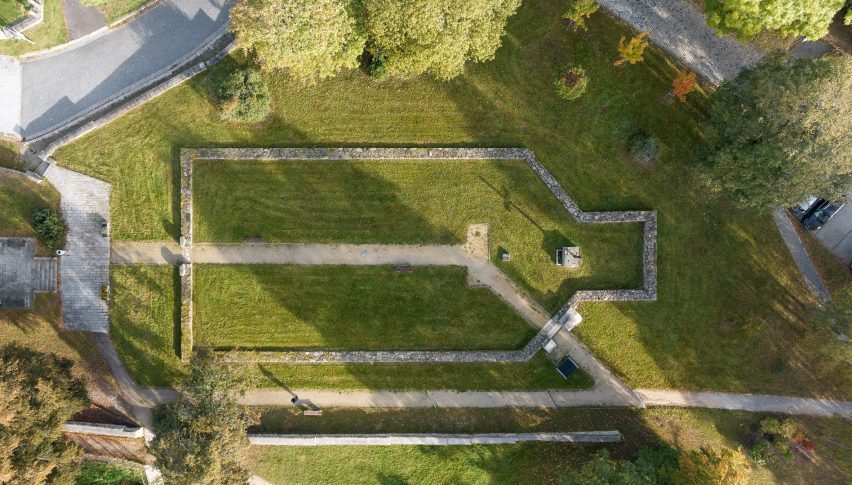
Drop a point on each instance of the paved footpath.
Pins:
(84, 270)
(747, 402)
(682, 31)
(800, 254)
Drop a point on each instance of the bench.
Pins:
(403, 268)
(253, 239)
(312, 412)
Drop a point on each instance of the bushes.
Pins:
(572, 84)
(242, 95)
(643, 148)
(49, 227)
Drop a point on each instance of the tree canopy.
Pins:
(37, 395)
(311, 39)
(746, 18)
(433, 36)
(201, 437)
(780, 132)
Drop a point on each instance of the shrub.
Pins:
(242, 96)
(572, 84)
(49, 227)
(643, 148)
(580, 11)
(632, 51)
(683, 84)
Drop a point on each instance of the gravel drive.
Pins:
(682, 31)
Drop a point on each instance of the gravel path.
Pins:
(682, 31)
(800, 254)
(747, 402)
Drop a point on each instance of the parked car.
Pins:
(821, 216)
(803, 209)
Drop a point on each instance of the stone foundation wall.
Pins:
(186, 286)
(648, 219)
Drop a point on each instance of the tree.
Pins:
(201, 437)
(780, 132)
(746, 18)
(310, 39)
(37, 395)
(572, 84)
(410, 38)
(683, 84)
(632, 51)
(580, 11)
(242, 95)
(49, 227)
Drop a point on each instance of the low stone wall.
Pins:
(98, 429)
(432, 439)
(186, 286)
(561, 319)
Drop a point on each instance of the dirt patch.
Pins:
(477, 241)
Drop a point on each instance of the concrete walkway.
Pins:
(800, 254)
(68, 83)
(681, 30)
(84, 270)
(747, 402)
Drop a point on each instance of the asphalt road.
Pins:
(61, 86)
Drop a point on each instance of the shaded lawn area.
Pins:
(47, 34)
(19, 197)
(411, 202)
(38, 329)
(732, 312)
(145, 327)
(688, 429)
(283, 307)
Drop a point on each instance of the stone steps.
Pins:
(45, 274)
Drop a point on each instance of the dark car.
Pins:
(806, 207)
(819, 217)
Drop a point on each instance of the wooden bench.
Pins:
(254, 239)
(403, 268)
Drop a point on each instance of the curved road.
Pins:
(61, 86)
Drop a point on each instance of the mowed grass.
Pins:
(10, 10)
(732, 313)
(145, 328)
(528, 463)
(49, 33)
(409, 202)
(19, 197)
(277, 307)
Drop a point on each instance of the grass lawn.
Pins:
(38, 329)
(408, 202)
(732, 312)
(532, 462)
(145, 328)
(49, 33)
(11, 10)
(19, 197)
(276, 307)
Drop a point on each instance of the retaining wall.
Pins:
(430, 439)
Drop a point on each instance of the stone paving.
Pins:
(84, 270)
(22, 274)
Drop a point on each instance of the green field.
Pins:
(275, 307)
(145, 328)
(11, 10)
(49, 33)
(527, 463)
(732, 313)
(416, 203)
(19, 197)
